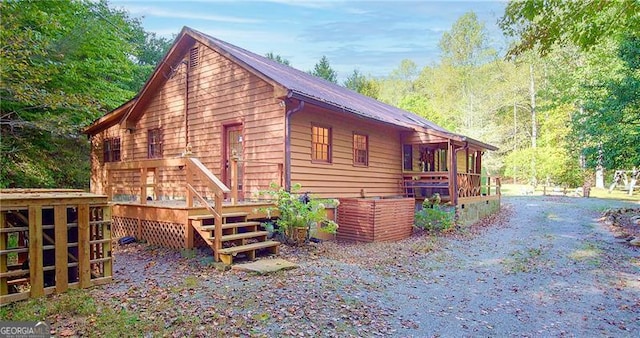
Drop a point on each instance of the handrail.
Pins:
(194, 169)
(206, 175)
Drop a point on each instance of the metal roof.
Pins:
(307, 85)
(303, 86)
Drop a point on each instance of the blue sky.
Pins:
(371, 36)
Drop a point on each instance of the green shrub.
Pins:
(434, 216)
(297, 211)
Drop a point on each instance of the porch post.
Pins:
(455, 174)
(453, 182)
(143, 185)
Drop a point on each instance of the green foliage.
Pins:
(278, 58)
(435, 217)
(541, 25)
(298, 211)
(323, 70)
(552, 163)
(37, 158)
(609, 121)
(466, 43)
(64, 63)
(362, 84)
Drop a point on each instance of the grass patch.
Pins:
(616, 194)
(189, 253)
(191, 282)
(89, 315)
(527, 260)
(70, 304)
(589, 253)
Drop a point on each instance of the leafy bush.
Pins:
(297, 211)
(434, 216)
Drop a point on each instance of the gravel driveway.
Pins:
(543, 267)
(551, 270)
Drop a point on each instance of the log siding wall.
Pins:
(341, 178)
(220, 93)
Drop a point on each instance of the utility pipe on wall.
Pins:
(287, 139)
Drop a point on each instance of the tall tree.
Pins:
(466, 43)
(64, 63)
(399, 83)
(603, 84)
(362, 84)
(323, 70)
(278, 58)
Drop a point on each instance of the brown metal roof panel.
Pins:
(320, 89)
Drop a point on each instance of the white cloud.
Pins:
(165, 13)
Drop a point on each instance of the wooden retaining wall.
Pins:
(375, 220)
(51, 241)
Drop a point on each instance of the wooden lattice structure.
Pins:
(51, 241)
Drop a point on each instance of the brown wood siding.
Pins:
(341, 178)
(220, 93)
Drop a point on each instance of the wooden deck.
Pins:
(195, 220)
(174, 224)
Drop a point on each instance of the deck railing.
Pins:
(470, 186)
(473, 186)
(193, 169)
(425, 184)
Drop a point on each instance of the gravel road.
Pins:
(544, 267)
(551, 270)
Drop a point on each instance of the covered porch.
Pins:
(450, 166)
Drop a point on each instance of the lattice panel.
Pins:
(164, 234)
(123, 226)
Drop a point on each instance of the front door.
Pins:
(233, 145)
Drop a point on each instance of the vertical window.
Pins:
(321, 144)
(111, 149)
(407, 157)
(360, 149)
(154, 143)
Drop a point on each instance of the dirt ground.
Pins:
(545, 266)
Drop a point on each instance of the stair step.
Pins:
(243, 235)
(229, 225)
(224, 215)
(248, 247)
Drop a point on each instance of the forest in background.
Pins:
(563, 101)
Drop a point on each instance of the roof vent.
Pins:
(194, 58)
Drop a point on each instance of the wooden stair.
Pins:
(239, 236)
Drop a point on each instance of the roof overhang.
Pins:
(340, 109)
(112, 118)
(170, 61)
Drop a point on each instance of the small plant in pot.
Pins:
(298, 213)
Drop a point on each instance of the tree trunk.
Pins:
(534, 128)
(532, 93)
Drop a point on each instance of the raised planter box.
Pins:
(375, 219)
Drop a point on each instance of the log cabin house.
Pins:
(215, 122)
